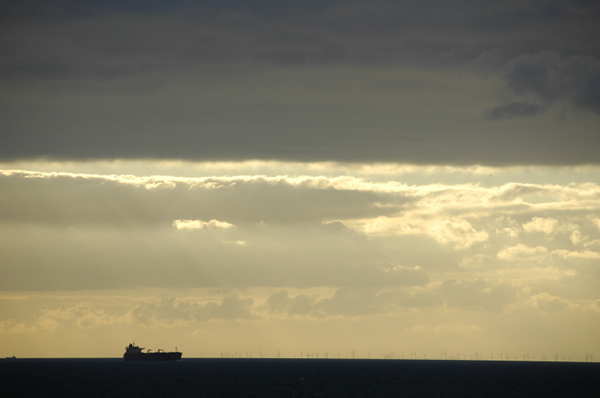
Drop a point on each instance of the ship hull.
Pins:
(153, 356)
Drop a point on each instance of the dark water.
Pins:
(296, 377)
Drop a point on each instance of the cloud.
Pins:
(488, 59)
(514, 109)
(169, 311)
(459, 233)
(12, 326)
(475, 294)
(289, 35)
(539, 224)
(74, 199)
(84, 315)
(110, 231)
(199, 224)
(444, 328)
(549, 303)
(521, 251)
(280, 303)
(125, 83)
(478, 293)
(584, 255)
(547, 78)
(350, 302)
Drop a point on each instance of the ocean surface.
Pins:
(297, 378)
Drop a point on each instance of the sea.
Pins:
(263, 377)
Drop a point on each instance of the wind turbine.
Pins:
(591, 356)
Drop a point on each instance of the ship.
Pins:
(135, 353)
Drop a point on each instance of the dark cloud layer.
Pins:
(547, 78)
(514, 109)
(269, 80)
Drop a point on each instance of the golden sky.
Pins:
(326, 258)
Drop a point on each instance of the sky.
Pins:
(300, 179)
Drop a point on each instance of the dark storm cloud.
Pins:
(548, 79)
(514, 109)
(112, 40)
(269, 80)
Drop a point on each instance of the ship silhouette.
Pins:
(135, 353)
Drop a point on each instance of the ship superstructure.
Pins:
(135, 353)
